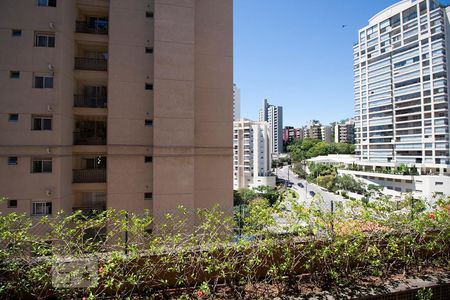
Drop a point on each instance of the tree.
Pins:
(348, 183)
(326, 181)
(267, 192)
(244, 196)
(299, 170)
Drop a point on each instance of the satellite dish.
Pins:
(52, 25)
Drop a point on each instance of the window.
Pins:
(42, 208)
(12, 160)
(50, 3)
(16, 32)
(41, 123)
(438, 183)
(148, 159)
(41, 165)
(149, 86)
(148, 196)
(149, 14)
(148, 123)
(148, 50)
(12, 203)
(13, 117)
(14, 74)
(43, 82)
(42, 39)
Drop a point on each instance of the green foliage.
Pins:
(326, 181)
(308, 148)
(267, 192)
(348, 183)
(298, 169)
(425, 294)
(197, 250)
(244, 196)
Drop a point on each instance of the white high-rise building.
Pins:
(401, 86)
(274, 115)
(401, 99)
(252, 160)
(236, 103)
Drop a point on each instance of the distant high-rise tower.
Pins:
(263, 112)
(274, 115)
(401, 85)
(236, 103)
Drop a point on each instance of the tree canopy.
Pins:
(308, 148)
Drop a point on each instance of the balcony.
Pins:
(93, 101)
(92, 27)
(83, 138)
(90, 131)
(92, 64)
(89, 176)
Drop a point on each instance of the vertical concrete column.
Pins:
(174, 105)
(214, 103)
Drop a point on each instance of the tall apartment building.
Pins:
(236, 103)
(327, 133)
(401, 98)
(110, 103)
(344, 132)
(401, 86)
(252, 157)
(274, 115)
(291, 134)
(314, 130)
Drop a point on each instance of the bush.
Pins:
(196, 249)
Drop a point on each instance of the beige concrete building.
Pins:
(124, 104)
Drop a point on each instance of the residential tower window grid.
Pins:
(401, 87)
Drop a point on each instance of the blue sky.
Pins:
(296, 54)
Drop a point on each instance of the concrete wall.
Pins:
(190, 102)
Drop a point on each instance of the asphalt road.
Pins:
(305, 196)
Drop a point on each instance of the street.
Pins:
(305, 197)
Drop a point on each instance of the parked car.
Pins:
(300, 185)
(312, 193)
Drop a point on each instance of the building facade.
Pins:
(313, 130)
(401, 99)
(115, 104)
(344, 132)
(252, 157)
(291, 134)
(236, 103)
(401, 86)
(327, 134)
(274, 115)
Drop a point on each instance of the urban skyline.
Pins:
(292, 87)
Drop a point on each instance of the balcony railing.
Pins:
(89, 176)
(96, 28)
(90, 101)
(90, 211)
(82, 138)
(94, 64)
